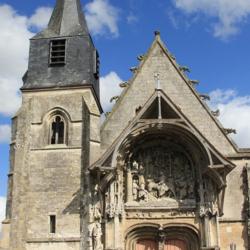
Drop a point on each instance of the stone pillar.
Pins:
(129, 186)
(85, 189)
(207, 231)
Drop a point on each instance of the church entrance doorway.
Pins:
(168, 237)
(173, 244)
(146, 245)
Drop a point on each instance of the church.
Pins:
(160, 173)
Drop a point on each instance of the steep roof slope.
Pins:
(177, 87)
(67, 20)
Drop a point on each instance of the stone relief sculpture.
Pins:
(143, 193)
(159, 173)
(95, 208)
(97, 237)
(135, 188)
(95, 218)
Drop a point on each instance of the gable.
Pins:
(158, 129)
(175, 85)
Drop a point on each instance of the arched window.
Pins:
(57, 134)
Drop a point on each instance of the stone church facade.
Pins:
(160, 173)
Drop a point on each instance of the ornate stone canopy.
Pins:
(161, 167)
(165, 163)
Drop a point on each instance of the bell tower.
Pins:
(55, 136)
(63, 55)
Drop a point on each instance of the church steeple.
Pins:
(63, 55)
(67, 19)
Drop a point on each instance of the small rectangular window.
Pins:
(57, 52)
(52, 224)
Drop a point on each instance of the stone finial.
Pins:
(205, 97)
(185, 69)
(194, 82)
(216, 113)
(172, 56)
(114, 98)
(157, 33)
(124, 84)
(133, 69)
(140, 57)
(138, 109)
(230, 131)
(107, 114)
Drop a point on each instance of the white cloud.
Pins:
(229, 14)
(109, 87)
(40, 18)
(102, 17)
(14, 47)
(234, 113)
(5, 132)
(2, 211)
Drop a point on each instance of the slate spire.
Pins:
(67, 19)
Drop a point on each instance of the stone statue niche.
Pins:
(160, 174)
(96, 237)
(210, 197)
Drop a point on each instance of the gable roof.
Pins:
(177, 86)
(166, 112)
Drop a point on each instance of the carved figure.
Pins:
(135, 166)
(135, 189)
(162, 186)
(141, 175)
(181, 187)
(96, 237)
(97, 212)
(96, 207)
(160, 189)
(143, 193)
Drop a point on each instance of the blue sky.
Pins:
(211, 37)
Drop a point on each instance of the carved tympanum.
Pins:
(159, 173)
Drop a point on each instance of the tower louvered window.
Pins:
(57, 52)
(96, 64)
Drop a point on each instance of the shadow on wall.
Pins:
(245, 213)
(74, 205)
